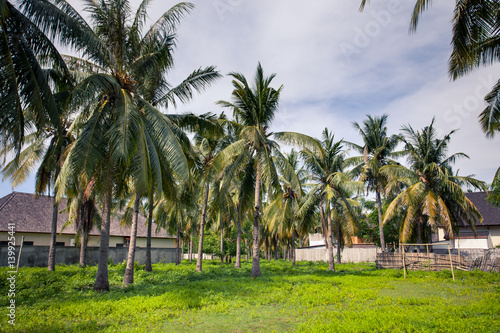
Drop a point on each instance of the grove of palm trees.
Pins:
(90, 108)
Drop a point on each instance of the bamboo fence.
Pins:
(434, 262)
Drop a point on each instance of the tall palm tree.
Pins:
(281, 213)
(433, 196)
(330, 191)
(118, 120)
(45, 149)
(254, 108)
(377, 150)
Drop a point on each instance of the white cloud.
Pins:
(337, 65)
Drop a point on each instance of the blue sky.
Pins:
(337, 65)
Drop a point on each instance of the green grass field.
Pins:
(304, 298)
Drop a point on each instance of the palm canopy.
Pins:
(26, 97)
(475, 42)
(377, 151)
(433, 196)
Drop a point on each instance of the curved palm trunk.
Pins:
(256, 258)
(149, 267)
(202, 231)
(51, 265)
(101, 280)
(129, 270)
(338, 243)
(331, 262)
(380, 225)
(237, 264)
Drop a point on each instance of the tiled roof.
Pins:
(33, 214)
(491, 214)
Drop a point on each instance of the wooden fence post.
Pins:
(451, 263)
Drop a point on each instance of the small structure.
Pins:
(487, 235)
(31, 217)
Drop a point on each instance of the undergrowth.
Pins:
(303, 298)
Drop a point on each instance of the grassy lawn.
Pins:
(305, 298)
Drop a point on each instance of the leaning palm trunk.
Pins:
(149, 267)
(202, 226)
(53, 233)
(237, 264)
(331, 261)
(256, 259)
(101, 280)
(129, 271)
(380, 225)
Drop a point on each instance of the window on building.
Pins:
(119, 245)
(60, 243)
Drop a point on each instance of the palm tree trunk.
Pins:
(256, 258)
(237, 264)
(293, 250)
(101, 280)
(380, 225)
(149, 267)
(324, 225)
(83, 246)
(420, 223)
(202, 226)
(190, 254)
(178, 249)
(51, 266)
(129, 270)
(222, 243)
(247, 248)
(331, 261)
(276, 248)
(338, 243)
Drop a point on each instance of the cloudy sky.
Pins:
(337, 65)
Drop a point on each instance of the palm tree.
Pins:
(45, 148)
(118, 120)
(281, 212)
(254, 108)
(26, 97)
(433, 196)
(330, 191)
(377, 149)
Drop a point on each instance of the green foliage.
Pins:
(304, 298)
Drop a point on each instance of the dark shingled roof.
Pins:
(33, 214)
(491, 214)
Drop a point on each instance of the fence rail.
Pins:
(436, 262)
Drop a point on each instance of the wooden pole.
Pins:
(19, 256)
(451, 263)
